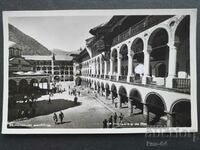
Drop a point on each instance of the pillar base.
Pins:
(130, 107)
(144, 79)
(169, 81)
(144, 110)
(119, 102)
(128, 78)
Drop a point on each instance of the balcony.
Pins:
(181, 85)
(135, 79)
(141, 26)
(107, 76)
(102, 76)
(113, 77)
(123, 78)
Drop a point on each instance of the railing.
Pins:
(135, 79)
(182, 85)
(107, 76)
(139, 27)
(123, 78)
(114, 77)
(102, 76)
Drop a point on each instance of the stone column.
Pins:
(64, 73)
(130, 66)
(52, 69)
(68, 71)
(145, 109)
(101, 66)
(172, 65)
(111, 66)
(97, 67)
(120, 101)
(119, 59)
(105, 67)
(112, 97)
(170, 120)
(130, 106)
(146, 66)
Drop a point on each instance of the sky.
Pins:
(59, 32)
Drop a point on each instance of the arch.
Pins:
(137, 45)
(23, 86)
(123, 49)
(160, 70)
(113, 88)
(122, 91)
(44, 80)
(122, 95)
(107, 87)
(114, 53)
(123, 52)
(135, 95)
(155, 103)
(135, 99)
(182, 36)
(12, 86)
(159, 33)
(159, 51)
(181, 112)
(33, 81)
(57, 78)
(102, 86)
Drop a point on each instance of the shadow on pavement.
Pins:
(39, 108)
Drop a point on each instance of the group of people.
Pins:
(61, 117)
(113, 121)
(74, 92)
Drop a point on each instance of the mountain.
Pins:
(28, 44)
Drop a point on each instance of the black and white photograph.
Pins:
(99, 71)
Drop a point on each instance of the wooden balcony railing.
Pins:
(141, 26)
(182, 85)
(107, 76)
(114, 77)
(135, 79)
(123, 78)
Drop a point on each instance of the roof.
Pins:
(11, 43)
(37, 57)
(48, 57)
(15, 46)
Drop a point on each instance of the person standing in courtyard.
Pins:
(110, 122)
(116, 100)
(61, 117)
(121, 118)
(49, 102)
(75, 99)
(55, 118)
(115, 118)
(105, 123)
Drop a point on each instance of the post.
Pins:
(172, 65)
(146, 67)
(105, 67)
(120, 101)
(130, 66)
(111, 66)
(119, 66)
(130, 106)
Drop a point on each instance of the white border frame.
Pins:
(193, 69)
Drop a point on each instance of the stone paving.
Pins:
(93, 110)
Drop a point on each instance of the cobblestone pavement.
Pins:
(90, 114)
(93, 110)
